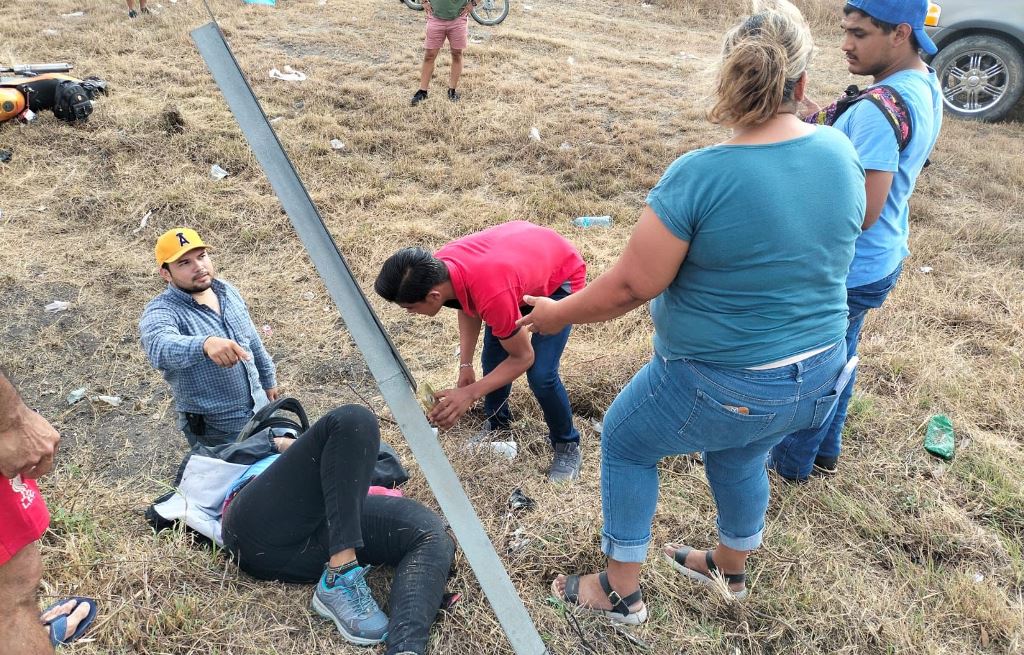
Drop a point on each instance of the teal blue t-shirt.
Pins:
(771, 230)
(882, 247)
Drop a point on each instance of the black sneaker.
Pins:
(825, 466)
(453, 95)
(420, 96)
(145, 10)
(132, 13)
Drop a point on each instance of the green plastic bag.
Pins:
(938, 439)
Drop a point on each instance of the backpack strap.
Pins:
(887, 99)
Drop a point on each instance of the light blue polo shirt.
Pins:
(882, 247)
(771, 230)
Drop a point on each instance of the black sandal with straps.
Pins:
(678, 560)
(620, 612)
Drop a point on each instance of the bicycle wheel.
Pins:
(414, 4)
(490, 12)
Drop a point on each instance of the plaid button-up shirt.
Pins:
(174, 327)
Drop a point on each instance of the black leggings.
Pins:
(311, 503)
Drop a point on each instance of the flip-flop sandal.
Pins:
(678, 561)
(58, 625)
(620, 612)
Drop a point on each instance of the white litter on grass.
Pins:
(518, 540)
(308, 295)
(570, 61)
(267, 330)
(218, 173)
(113, 401)
(289, 74)
(321, 2)
(337, 144)
(926, 269)
(56, 306)
(76, 395)
(506, 449)
(527, 7)
(276, 119)
(565, 146)
(687, 55)
(51, 32)
(978, 578)
(534, 134)
(142, 223)
(41, 208)
(475, 39)
(74, 14)
(597, 425)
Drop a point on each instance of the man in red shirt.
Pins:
(27, 446)
(485, 276)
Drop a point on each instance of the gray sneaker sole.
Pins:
(326, 612)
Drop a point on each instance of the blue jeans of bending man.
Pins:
(542, 377)
(794, 456)
(733, 416)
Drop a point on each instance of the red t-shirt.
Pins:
(492, 270)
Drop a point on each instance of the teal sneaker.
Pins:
(351, 606)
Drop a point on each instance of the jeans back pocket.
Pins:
(715, 426)
(823, 409)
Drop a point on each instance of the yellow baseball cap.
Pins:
(174, 243)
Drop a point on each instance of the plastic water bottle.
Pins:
(592, 221)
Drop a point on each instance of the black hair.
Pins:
(886, 28)
(408, 275)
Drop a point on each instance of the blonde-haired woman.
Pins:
(744, 247)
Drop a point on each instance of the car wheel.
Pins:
(982, 77)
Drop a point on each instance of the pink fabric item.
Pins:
(384, 491)
(456, 31)
(23, 516)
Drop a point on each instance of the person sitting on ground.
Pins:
(484, 276)
(199, 335)
(28, 444)
(446, 19)
(744, 247)
(303, 502)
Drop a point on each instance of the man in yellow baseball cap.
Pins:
(199, 335)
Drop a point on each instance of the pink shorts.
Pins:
(456, 31)
(23, 516)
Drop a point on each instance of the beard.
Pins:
(196, 287)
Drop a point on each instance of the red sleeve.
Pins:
(501, 313)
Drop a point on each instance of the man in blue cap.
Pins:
(882, 39)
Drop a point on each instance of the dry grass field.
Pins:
(899, 554)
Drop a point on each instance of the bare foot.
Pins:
(76, 612)
(696, 561)
(591, 594)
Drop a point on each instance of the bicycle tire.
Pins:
(413, 4)
(490, 12)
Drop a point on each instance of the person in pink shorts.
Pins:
(446, 19)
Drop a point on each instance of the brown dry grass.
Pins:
(882, 560)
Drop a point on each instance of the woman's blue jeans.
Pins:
(733, 416)
(794, 456)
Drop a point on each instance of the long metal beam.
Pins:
(386, 365)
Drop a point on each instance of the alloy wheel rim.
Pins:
(974, 82)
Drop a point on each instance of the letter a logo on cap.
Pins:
(182, 241)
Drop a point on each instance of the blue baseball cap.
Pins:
(911, 12)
